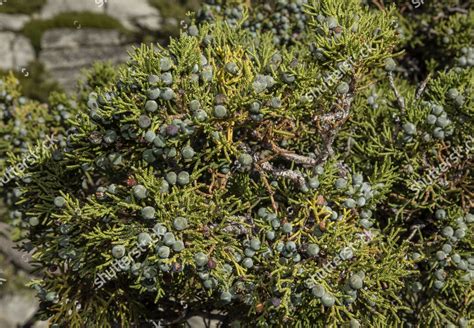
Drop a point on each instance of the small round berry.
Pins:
(118, 251)
(409, 128)
(270, 235)
(469, 218)
(148, 212)
(255, 244)
(440, 255)
(460, 233)
(144, 239)
(255, 107)
(437, 110)
(290, 246)
(312, 250)
(275, 102)
(357, 179)
(452, 93)
(194, 105)
(438, 284)
(438, 133)
(159, 229)
(163, 252)
(275, 223)
(59, 201)
(431, 119)
(168, 94)
(201, 259)
(220, 111)
(167, 78)
(51, 296)
(183, 178)
(153, 94)
(440, 214)
(340, 183)
(187, 152)
(440, 274)
(169, 239)
(390, 65)
(346, 253)
(332, 22)
(151, 106)
(447, 248)
(110, 136)
(200, 115)
(180, 223)
(193, 30)
(447, 232)
(171, 178)
(232, 68)
(178, 246)
(313, 182)
(356, 282)
(249, 252)
(318, 291)
(144, 121)
(328, 300)
(342, 88)
(165, 64)
(354, 323)
(172, 130)
(247, 262)
(34, 221)
(140, 192)
(287, 228)
(349, 203)
(226, 297)
(150, 136)
(459, 100)
(442, 122)
(153, 79)
(245, 159)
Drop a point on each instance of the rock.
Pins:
(202, 322)
(133, 13)
(71, 38)
(67, 51)
(23, 52)
(16, 51)
(13, 22)
(55, 7)
(16, 309)
(152, 23)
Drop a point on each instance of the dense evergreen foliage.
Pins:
(296, 164)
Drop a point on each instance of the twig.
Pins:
(330, 124)
(422, 87)
(400, 100)
(457, 10)
(294, 176)
(299, 159)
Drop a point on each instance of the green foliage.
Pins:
(35, 28)
(21, 6)
(277, 180)
(35, 82)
